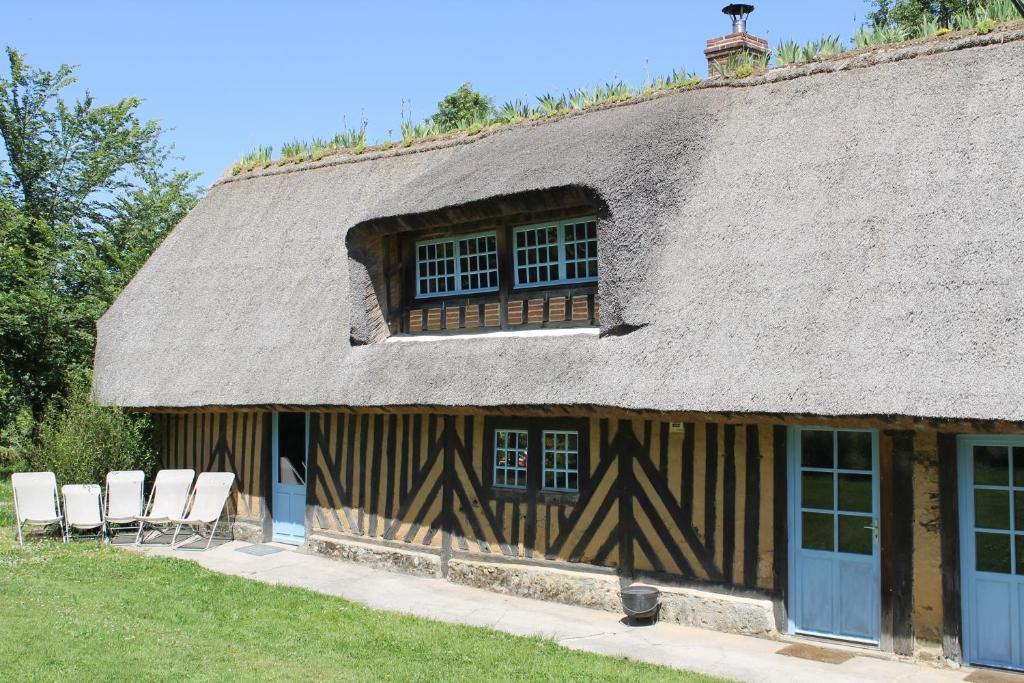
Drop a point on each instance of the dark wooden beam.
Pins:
(949, 539)
(902, 548)
(780, 540)
(624, 442)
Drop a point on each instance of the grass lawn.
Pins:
(88, 612)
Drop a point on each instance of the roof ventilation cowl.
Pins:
(739, 14)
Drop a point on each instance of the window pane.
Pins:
(536, 246)
(1018, 466)
(476, 264)
(992, 465)
(510, 458)
(561, 460)
(438, 271)
(855, 493)
(580, 249)
(817, 531)
(855, 534)
(1018, 510)
(992, 552)
(854, 450)
(1019, 540)
(816, 490)
(291, 448)
(991, 509)
(816, 448)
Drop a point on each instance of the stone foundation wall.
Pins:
(379, 556)
(721, 611)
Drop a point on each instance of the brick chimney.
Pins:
(720, 49)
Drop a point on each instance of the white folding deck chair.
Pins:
(205, 506)
(166, 501)
(36, 502)
(83, 509)
(123, 501)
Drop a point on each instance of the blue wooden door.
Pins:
(834, 554)
(290, 455)
(991, 491)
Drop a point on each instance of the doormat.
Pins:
(818, 654)
(258, 549)
(989, 676)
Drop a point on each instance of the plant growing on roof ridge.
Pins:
(465, 104)
(512, 112)
(878, 35)
(788, 52)
(550, 105)
(257, 157)
(741, 65)
(927, 26)
(985, 26)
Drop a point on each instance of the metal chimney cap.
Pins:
(739, 15)
(738, 11)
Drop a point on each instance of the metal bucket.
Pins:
(640, 602)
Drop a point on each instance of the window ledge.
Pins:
(566, 332)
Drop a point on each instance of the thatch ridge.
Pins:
(853, 59)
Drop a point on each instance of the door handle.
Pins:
(874, 529)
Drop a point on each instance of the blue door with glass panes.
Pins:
(835, 577)
(991, 490)
(290, 454)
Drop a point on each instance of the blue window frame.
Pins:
(511, 458)
(555, 253)
(464, 264)
(561, 459)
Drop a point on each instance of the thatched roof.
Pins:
(848, 242)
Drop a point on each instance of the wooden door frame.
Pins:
(274, 472)
(794, 525)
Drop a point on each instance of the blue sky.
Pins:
(227, 76)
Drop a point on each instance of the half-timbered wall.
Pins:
(704, 499)
(220, 442)
(683, 502)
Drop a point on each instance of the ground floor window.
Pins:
(561, 461)
(510, 457)
(541, 455)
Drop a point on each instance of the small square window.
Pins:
(563, 252)
(457, 265)
(511, 458)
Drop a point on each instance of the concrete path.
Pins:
(737, 657)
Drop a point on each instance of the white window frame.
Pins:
(457, 273)
(562, 261)
(557, 470)
(523, 437)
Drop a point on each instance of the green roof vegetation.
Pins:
(469, 112)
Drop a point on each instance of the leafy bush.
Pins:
(985, 26)
(81, 441)
(15, 438)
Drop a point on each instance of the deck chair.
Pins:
(205, 506)
(83, 510)
(166, 501)
(36, 502)
(123, 501)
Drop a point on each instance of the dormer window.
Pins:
(527, 261)
(457, 265)
(555, 253)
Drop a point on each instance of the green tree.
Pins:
(461, 108)
(907, 14)
(86, 194)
